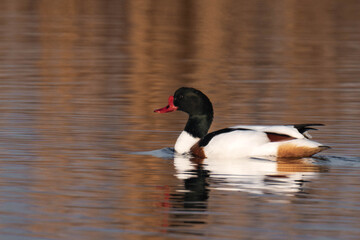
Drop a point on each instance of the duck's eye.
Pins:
(180, 97)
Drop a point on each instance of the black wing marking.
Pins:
(205, 140)
(307, 126)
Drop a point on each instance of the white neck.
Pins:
(184, 142)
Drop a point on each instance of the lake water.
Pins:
(83, 156)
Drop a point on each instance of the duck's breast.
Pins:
(184, 142)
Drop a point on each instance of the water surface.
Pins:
(78, 85)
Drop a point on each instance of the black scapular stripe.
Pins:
(205, 140)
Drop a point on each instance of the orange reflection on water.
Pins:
(79, 81)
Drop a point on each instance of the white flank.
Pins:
(235, 144)
(184, 142)
(249, 144)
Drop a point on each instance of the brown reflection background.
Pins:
(79, 81)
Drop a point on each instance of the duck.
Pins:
(280, 141)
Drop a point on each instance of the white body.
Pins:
(245, 143)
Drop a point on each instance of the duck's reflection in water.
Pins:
(252, 175)
(259, 177)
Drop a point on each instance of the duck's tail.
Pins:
(300, 148)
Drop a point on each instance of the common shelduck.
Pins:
(283, 141)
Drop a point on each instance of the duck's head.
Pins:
(189, 100)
